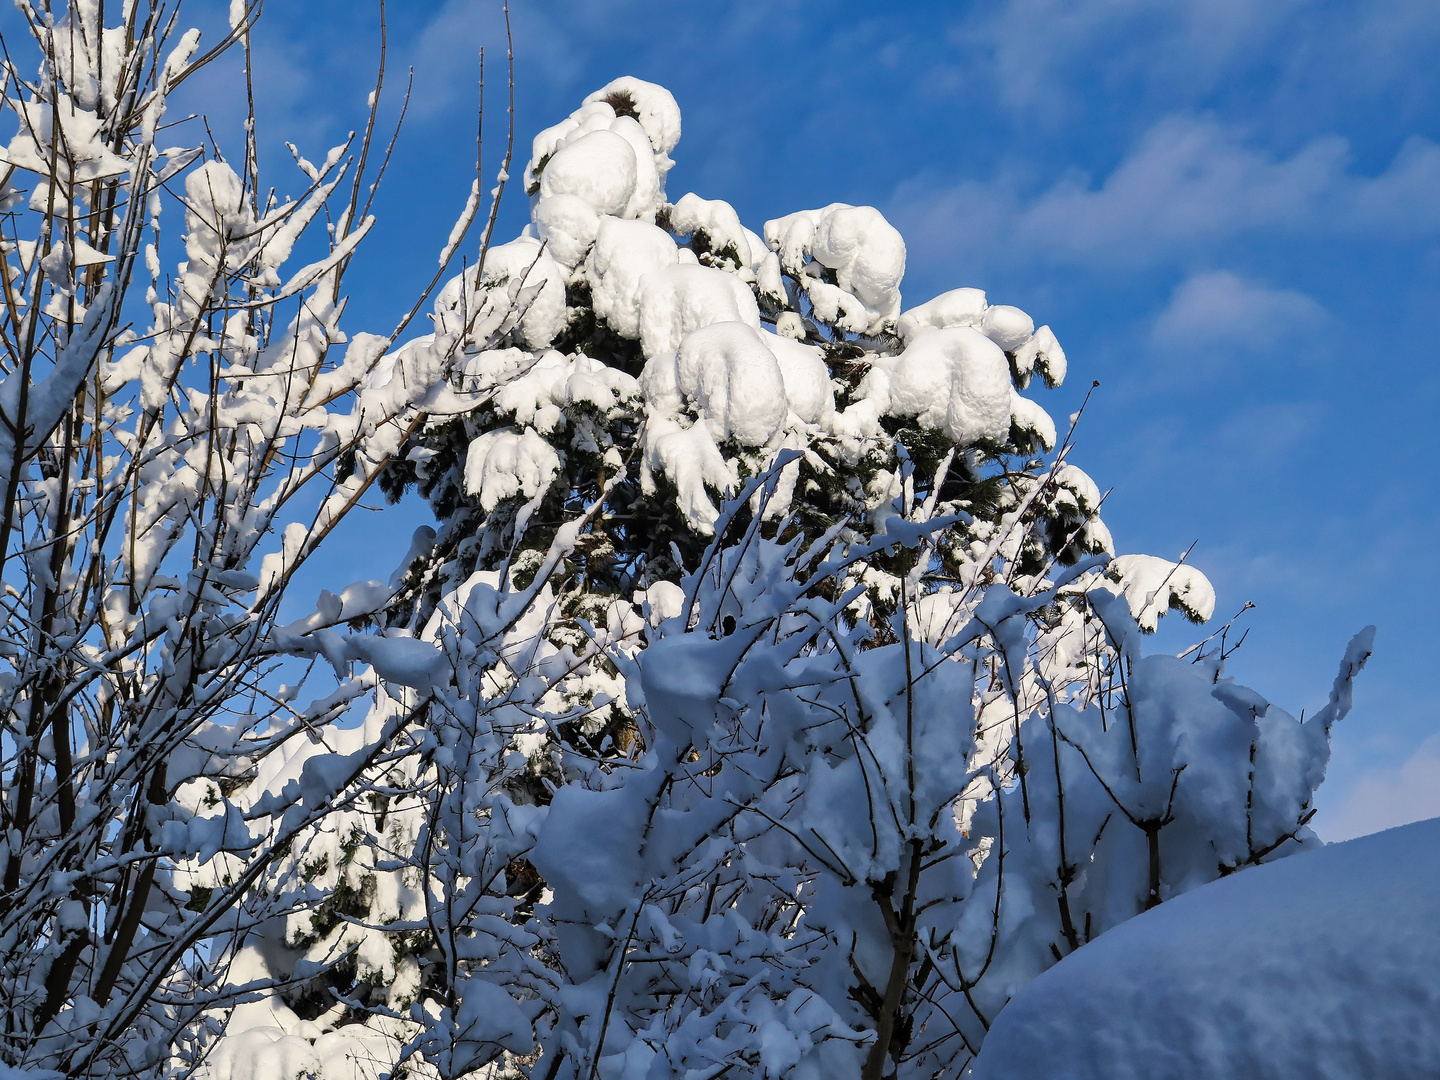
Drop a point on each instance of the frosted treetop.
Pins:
(732, 325)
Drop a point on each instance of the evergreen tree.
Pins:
(659, 354)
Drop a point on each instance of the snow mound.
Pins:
(863, 251)
(728, 383)
(652, 106)
(1009, 327)
(958, 307)
(807, 379)
(955, 380)
(567, 224)
(728, 375)
(718, 222)
(678, 299)
(1325, 964)
(599, 168)
(625, 251)
(612, 152)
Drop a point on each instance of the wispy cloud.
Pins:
(1187, 186)
(1384, 797)
(1034, 52)
(1219, 309)
(1038, 48)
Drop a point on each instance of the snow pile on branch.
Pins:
(1152, 585)
(1323, 965)
(953, 379)
(849, 259)
(612, 153)
(728, 376)
(1009, 327)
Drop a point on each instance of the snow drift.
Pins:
(1322, 965)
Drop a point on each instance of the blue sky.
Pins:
(1228, 211)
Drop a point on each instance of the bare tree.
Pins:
(183, 422)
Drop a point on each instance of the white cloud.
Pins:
(446, 54)
(1217, 308)
(1385, 797)
(1034, 51)
(1188, 180)
(1036, 48)
(1188, 185)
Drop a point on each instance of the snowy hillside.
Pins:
(1323, 965)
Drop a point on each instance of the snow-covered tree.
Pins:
(670, 353)
(183, 422)
(784, 712)
(768, 699)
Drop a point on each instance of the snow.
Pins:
(719, 223)
(954, 379)
(625, 252)
(1151, 585)
(648, 194)
(86, 156)
(568, 225)
(789, 324)
(679, 299)
(793, 236)
(1075, 491)
(599, 168)
(488, 1014)
(807, 379)
(654, 108)
(958, 307)
(1029, 416)
(741, 385)
(502, 464)
(521, 264)
(865, 252)
(360, 1052)
(403, 661)
(612, 152)
(733, 381)
(689, 457)
(1008, 327)
(536, 391)
(1322, 965)
(1042, 353)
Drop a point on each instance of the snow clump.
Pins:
(612, 152)
(864, 253)
(1151, 585)
(956, 380)
(1009, 327)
